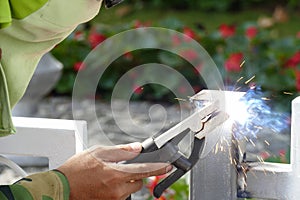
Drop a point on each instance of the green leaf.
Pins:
(108, 80)
(65, 84)
(169, 59)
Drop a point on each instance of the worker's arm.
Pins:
(51, 185)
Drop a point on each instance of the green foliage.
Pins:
(283, 157)
(182, 189)
(178, 191)
(269, 61)
(214, 5)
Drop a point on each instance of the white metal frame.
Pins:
(280, 181)
(55, 139)
(215, 176)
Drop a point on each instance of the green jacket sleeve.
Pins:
(30, 35)
(6, 125)
(51, 185)
(17, 9)
(27, 32)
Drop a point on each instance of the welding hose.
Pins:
(13, 166)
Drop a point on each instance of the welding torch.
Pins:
(164, 147)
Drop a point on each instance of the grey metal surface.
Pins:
(215, 177)
(271, 181)
(280, 181)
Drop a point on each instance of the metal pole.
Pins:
(215, 176)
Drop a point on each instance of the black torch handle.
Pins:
(183, 166)
(147, 146)
(167, 182)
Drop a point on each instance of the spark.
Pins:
(260, 159)
(241, 65)
(240, 79)
(222, 149)
(252, 142)
(267, 142)
(234, 161)
(244, 169)
(258, 127)
(237, 89)
(226, 141)
(265, 172)
(217, 147)
(249, 80)
(180, 99)
(246, 138)
(265, 98)
(230, 158)
(253, 173)
(288, 93)
(240, 150)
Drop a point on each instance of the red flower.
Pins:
(189, 54)
(298, 80)
(251, 32)
(282, 152)
(176, 40)
(79, 35)
(182, 90)
(133, 75)
(227, 30)
(293, 61)
(78, 66)
(298, 35)
(198, 68)
(197, 88)
(137, 89)
(139, 24)
(128, 56)
(152, 184)
(95, 38)
(153, 181)
(189, 34)
(232, 64)
(264, 155)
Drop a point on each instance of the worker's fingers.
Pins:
(156, 171)
(139, 171)
(116, 153)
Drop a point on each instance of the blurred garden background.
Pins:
(255, 41)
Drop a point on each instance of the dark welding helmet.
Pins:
(111, 3)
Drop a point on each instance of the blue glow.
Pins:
(254, 114)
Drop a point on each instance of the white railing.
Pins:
(216, 175)
(54, 139)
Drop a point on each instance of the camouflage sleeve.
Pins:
(51, 185)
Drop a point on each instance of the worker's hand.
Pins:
(96, 173)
